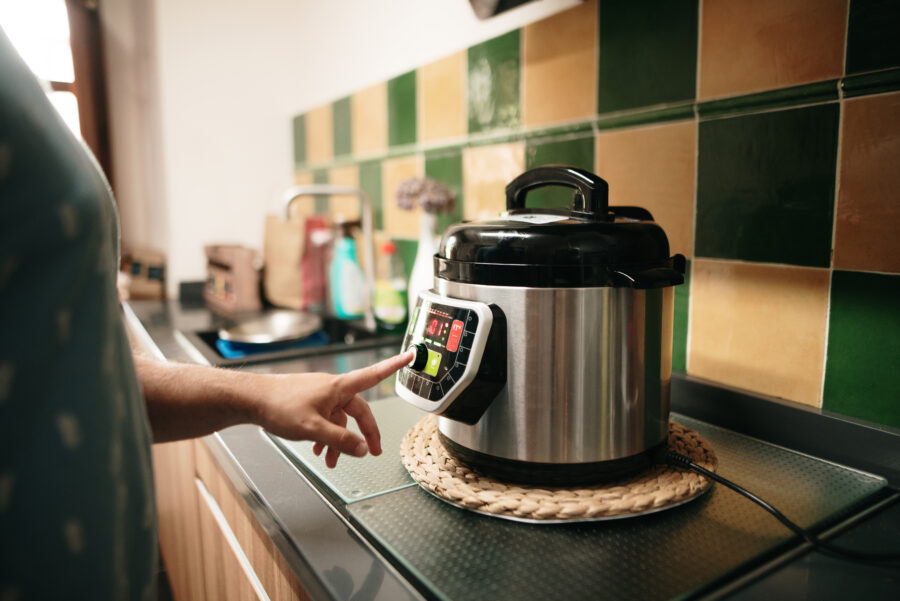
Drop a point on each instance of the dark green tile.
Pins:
(646, 116)
(299, 127)
(447, 169)
(370, 182)
(343, 127)
(873, 35)
(402, 109)
(821, 91)
(407, 251)
(765, 186)
(493, 80)
(680, 326)
(877, 82)
(864, 347)
(577, 152)
(320, 176)
(648, 53)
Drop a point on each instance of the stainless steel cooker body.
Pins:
(588, 374)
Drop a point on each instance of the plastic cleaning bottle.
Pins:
(345, 277)
(390, 290)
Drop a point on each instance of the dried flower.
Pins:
(431, 195)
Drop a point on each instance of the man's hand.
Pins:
(186, 401)
(315, 407)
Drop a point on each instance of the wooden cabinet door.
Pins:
(227, 573)
(179, 531)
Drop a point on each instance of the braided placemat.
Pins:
(658, 488)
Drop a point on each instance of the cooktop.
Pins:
(451, 553)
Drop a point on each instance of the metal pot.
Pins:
(545, 346)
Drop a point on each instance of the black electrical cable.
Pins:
(673, 458)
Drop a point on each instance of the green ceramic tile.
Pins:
(407, 251)
(765, 186)
(578, 152)
(680, 326)
(864, 347)
(342, 125)
(645, 116)
(299, 125)
(648, 53)
(493, 83)
(877, 82)
(873, 41)
(370, 181)
(320, 176)
(820, 91)
(402, 109)
(447, 168)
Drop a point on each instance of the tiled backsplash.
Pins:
(764, 136)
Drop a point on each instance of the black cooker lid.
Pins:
(592, 244)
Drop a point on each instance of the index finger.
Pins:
(367, 377)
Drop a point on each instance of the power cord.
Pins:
(826, 548)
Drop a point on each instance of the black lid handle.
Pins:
(591, 200)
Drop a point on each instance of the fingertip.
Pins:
(361, 449)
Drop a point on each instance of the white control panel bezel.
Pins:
(480, 336)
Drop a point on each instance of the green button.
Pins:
(434, 361)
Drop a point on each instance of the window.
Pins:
(60, 42)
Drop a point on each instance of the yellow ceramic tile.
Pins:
(398, 222)
(443, 97)
(754, 45)
(368, 115)
(759, 327)
(654, 168)
(868, 211)
(486, 171)
(345, 206)
(319, 135)
(560, 67)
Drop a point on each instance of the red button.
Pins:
(455, 332)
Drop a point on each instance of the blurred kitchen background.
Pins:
(763, 135)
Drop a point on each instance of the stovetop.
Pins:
(452, 553)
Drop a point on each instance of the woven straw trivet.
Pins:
(658, 488)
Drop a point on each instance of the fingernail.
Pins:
(361, 449)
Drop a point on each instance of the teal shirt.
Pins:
(77, 515)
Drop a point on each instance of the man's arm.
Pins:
(185, 401)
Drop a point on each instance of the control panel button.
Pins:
(457, 371)
(421, 358)
(432, 363)
(403, 376)
(468, 339)
(471, 321)
(437, 391)
(463, 355)
(415, 384)
(456, 330)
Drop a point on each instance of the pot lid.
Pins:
(591, 244)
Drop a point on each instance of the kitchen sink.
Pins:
(339, 336)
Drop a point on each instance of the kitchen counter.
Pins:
(366, 531)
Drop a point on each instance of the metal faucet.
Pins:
(312, 190)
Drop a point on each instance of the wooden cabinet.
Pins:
(212, 546)
(177, 513)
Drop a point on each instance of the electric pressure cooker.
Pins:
(545, 345)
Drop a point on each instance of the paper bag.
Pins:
(282, 252)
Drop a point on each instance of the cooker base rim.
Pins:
(553, 474)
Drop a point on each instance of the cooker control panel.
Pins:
(459, 364)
